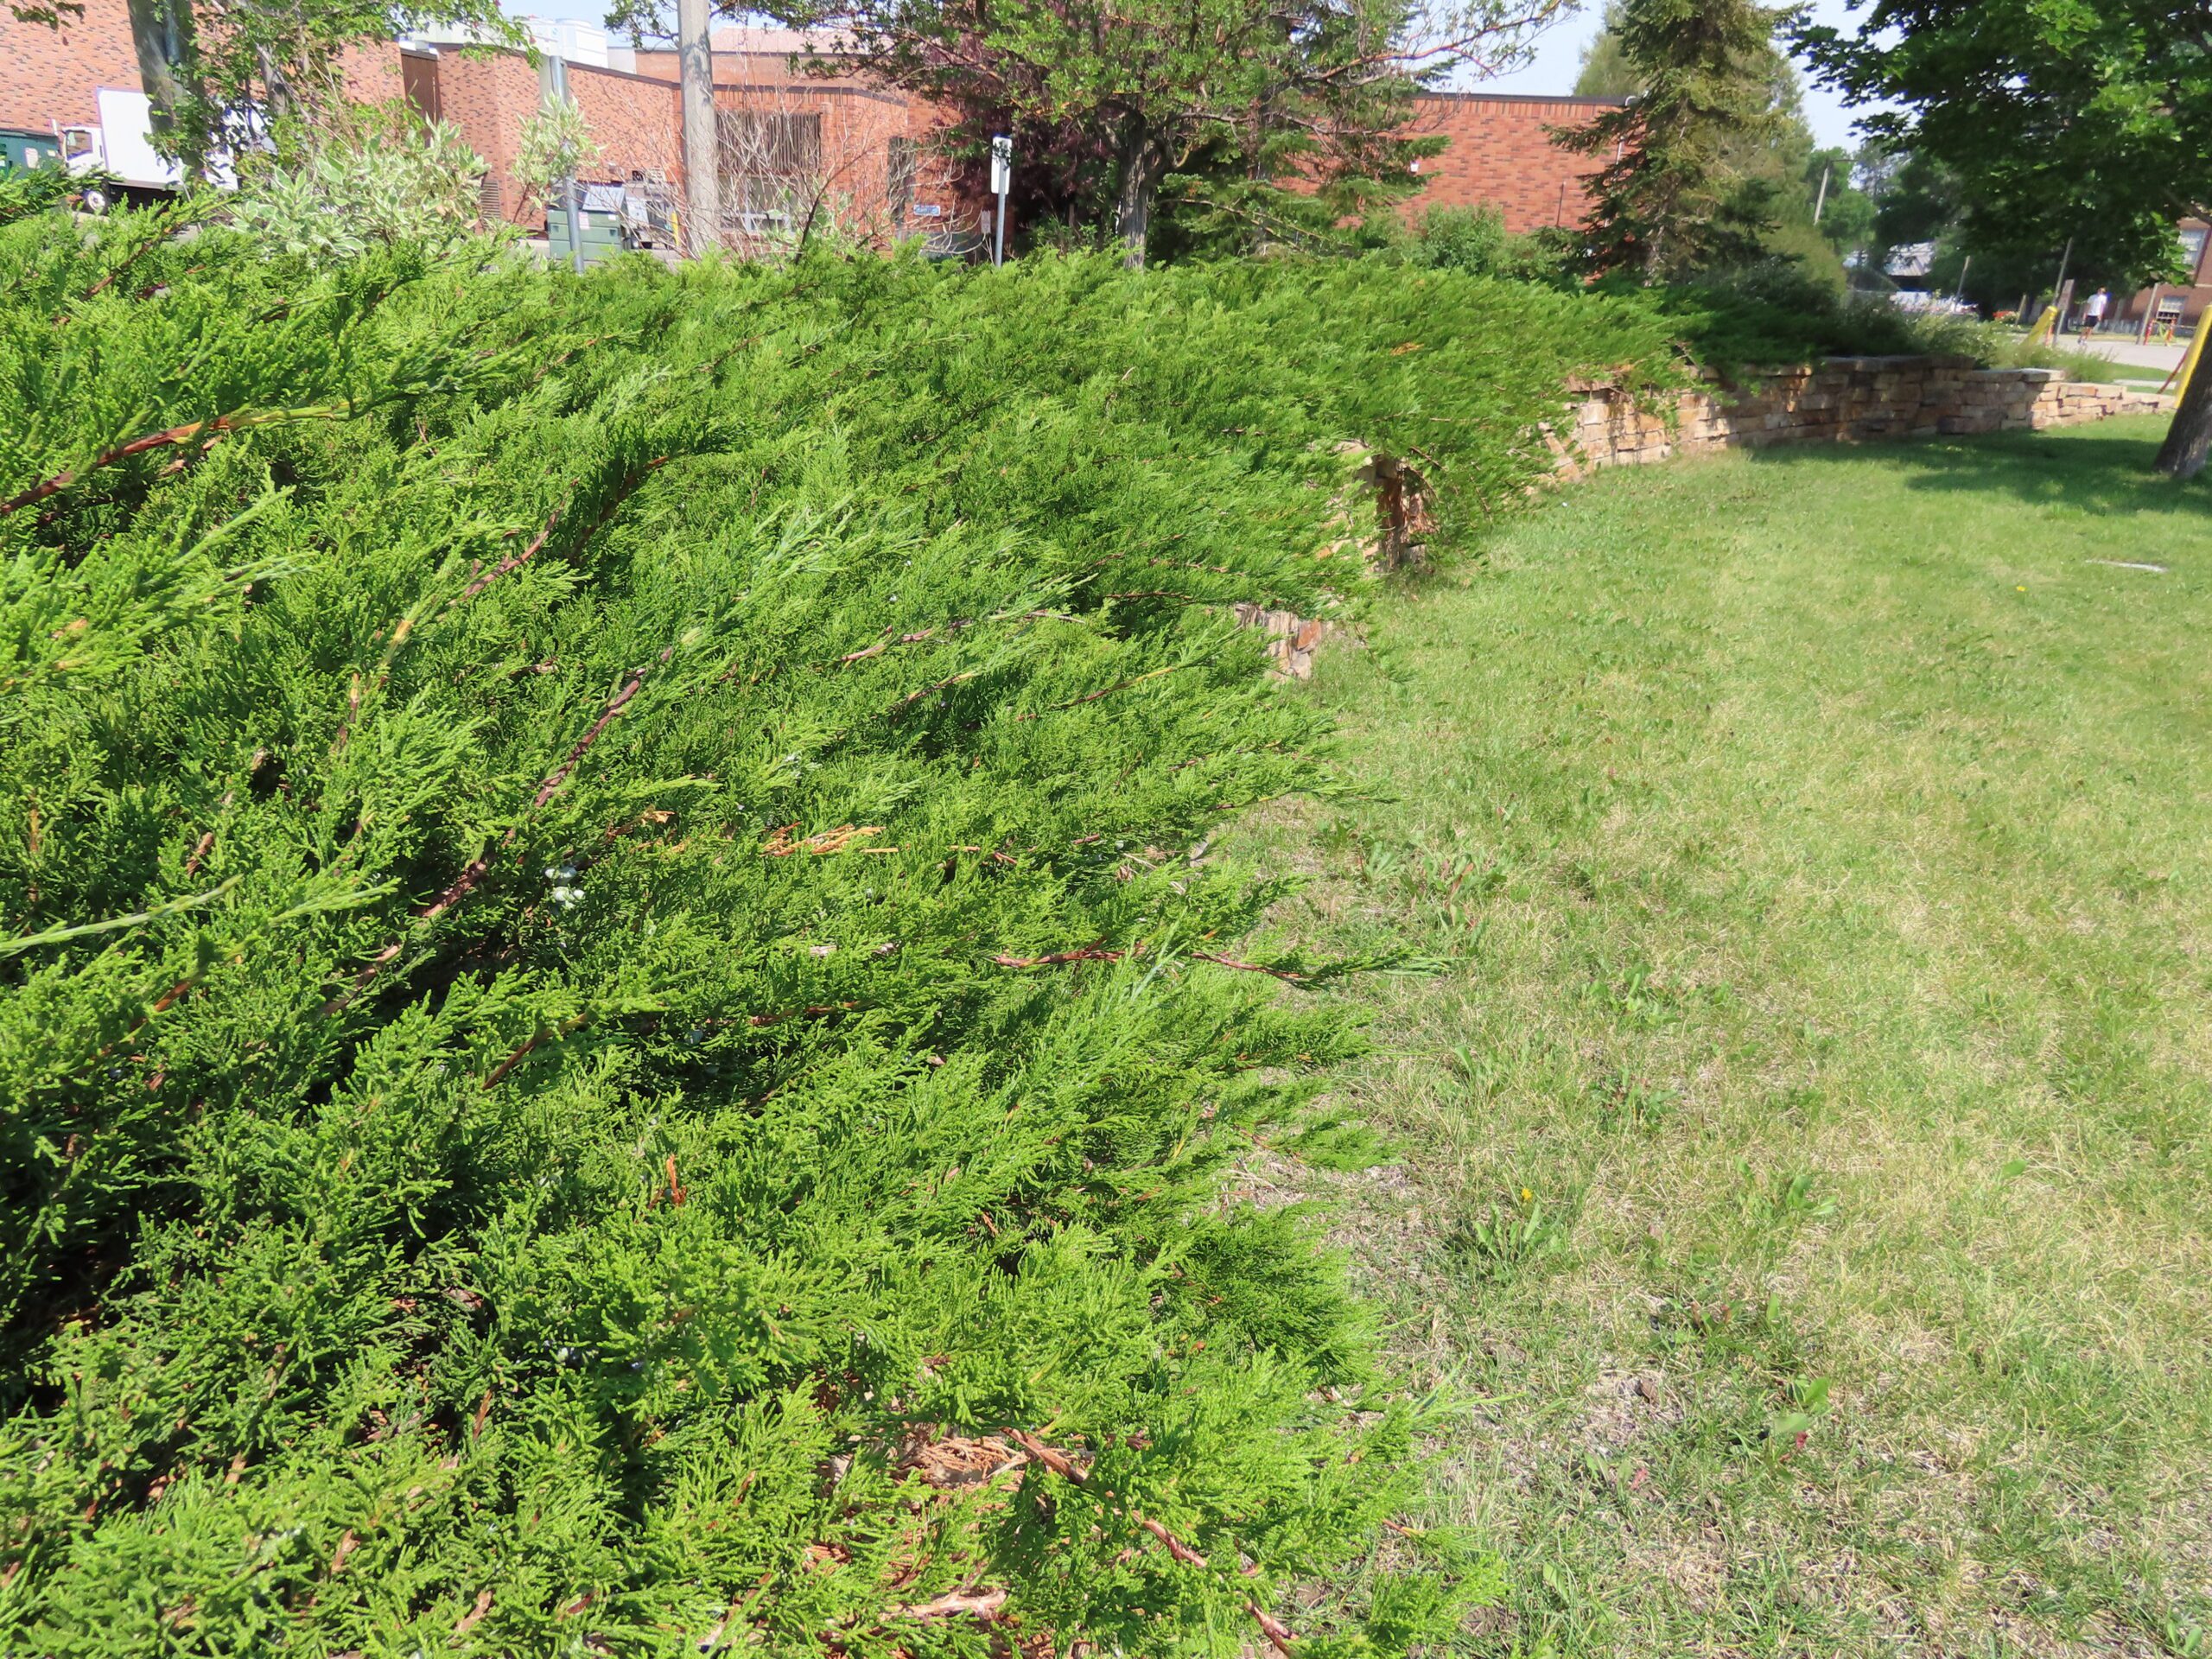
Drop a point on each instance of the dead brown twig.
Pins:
(215, 426)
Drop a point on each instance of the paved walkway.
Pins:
(2120, 349)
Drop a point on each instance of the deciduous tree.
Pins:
(221, 71)
(1113, 97)
(2087, 124)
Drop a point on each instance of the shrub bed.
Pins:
(621, 1015)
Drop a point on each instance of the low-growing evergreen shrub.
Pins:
(622, 1017)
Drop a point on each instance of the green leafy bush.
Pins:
(616, 967)
(1779, 312)
(555, 144)
(371, 180)
(1475, 240)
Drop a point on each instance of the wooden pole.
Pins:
(702, 204)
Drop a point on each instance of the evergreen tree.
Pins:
(1606, 72)
(1667, 202)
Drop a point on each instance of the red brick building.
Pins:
(793, 144)
(1502, 154)
(48, 76)
(2177, 307)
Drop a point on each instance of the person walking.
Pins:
(2093, 315)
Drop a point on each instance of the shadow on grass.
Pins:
(2096, 472)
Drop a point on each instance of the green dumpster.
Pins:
(603, 234)
(21, 151)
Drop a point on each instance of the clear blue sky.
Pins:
(1559, 55)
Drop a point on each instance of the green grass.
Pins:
(1806, 1151)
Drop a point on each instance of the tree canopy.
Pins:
(2089, 124)
(1255, 105)
(2074, 124)
(1606, 72)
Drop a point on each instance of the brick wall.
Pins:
(488, 95)
(1501, 153)
(636, 121)
(49, 76)
(1844, 399)
(859, 119)
(2196, 295)
(1499, 149)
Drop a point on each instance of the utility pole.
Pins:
(703, 194)
(1821, 201)
(555, 79)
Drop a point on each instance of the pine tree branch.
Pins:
(84, 930)
(953, 1603)
(623, 491)
(215, 426)
(1246, 967)
(1088, 953)
(1073, 702)
(167, 227)
(559, 775)
(1100, 953)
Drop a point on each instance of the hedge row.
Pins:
(622, 1017)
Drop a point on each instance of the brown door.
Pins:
(418, 82)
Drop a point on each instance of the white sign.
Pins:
(1001, 163)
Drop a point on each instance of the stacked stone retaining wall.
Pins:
(1843, 399)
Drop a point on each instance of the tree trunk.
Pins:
(1143, 162)
(281, 103)
(161, 35)
(2190, 438)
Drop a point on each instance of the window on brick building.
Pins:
(769, 159)
(898, 171)
(770, 143)
(2192, 250)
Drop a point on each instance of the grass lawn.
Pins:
(1807, 1148)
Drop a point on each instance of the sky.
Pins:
(1558, 59)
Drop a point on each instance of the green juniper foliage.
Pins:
(609, 956)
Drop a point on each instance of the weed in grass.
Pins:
(1627, 1102)
(1636, 1000)
(1505, 1241)
(1785, 1198)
